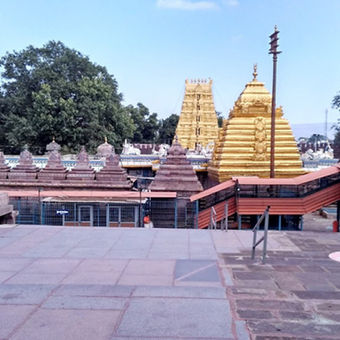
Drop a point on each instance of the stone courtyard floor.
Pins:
(129, 284)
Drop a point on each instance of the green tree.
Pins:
(336, 105)
(56, 91)
(167, 129)
(219, 119)
(146, 124)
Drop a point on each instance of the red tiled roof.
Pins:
(89, 193)
(269, 181)
(289, 181)
(212, 190)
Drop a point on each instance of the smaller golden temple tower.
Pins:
(243, 147)
(198, 121)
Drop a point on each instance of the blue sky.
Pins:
(152, 46)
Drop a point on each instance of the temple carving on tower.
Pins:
(243, 147)
(198, 121)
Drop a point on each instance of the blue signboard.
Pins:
(62, 212)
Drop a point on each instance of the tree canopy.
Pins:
(57, 91)
(167, 129)
(146, 124)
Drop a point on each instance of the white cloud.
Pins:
(187, 5)
(231, 3)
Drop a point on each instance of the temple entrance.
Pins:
(122, 216)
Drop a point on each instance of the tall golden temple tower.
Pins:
(198, 121)
(243, 147)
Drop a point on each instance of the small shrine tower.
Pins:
(243, 147)
(198, 121)
(176, 174)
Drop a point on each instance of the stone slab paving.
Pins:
(116, 284)
(98, 283)
(295, 295)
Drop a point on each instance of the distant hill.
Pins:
(306, 130)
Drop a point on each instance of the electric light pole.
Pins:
(273, 50)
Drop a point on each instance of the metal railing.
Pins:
(213, 221)
(265, 217)
(224, 224)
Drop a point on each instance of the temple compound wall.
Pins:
(83, 197)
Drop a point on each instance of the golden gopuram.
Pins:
(197, 123)
(243, 147)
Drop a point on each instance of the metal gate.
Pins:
(122, 216)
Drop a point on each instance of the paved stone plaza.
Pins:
(100, 283)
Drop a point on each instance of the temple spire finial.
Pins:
(105, 139)
(255, 71)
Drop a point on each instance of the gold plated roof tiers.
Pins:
(243, 147)
(198, 121)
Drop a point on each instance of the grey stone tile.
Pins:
(179, 283)
(5, 276)
(13, 264)
(317, 295)
(102, 265)
(87, 252)
(161, 255)
(94, 290)
(312, 268)
(286, 282)
(106, 240)
(251, 275)
(58, 245)
(249, 291)
(85, 302)
(36, 278)
(176, 317)
(127, 254)
(165, 338)
(255, 314)
(297, 329)
(79, 277)
(330, 316)
(288, 337)
(6, 241)
(51, 266)
(12, 317)
(150, 267)
(227, 279)
(322, 286)
(241, 330)
(296, 315)
(68, 325)
(329, 306)
(145, 280)
(203, 256)
(20, 294)
(184, 292)
(209, 274)
(19, 232)
(190, 267)
(268, 304)
(23, 244)
(47, 251)
(267, 284)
